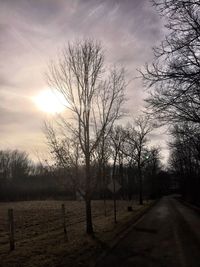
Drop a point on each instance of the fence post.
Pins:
(64, 221)
(11, 229)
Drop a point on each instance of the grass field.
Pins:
(39, 236)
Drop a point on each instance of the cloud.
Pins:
(33, 31)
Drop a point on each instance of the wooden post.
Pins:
(11, 229)
(64, 221)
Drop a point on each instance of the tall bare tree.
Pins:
(138, 138)
(78, 76)
(185, 159)
(117, 137)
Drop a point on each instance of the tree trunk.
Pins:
(114, 191)
(140, 186)
(104, 189)
(89, 226)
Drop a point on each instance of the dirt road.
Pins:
(167, 236)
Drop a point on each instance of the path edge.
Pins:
(124, 232)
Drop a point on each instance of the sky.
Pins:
(32, 32)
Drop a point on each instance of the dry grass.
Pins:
(39, 236)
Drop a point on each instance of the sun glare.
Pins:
(50, 102)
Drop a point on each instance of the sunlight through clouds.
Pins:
(50, 102)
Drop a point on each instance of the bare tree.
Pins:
(103, 103)
(66, 154)
(174, 74)
(151, 169)
(185, 159)
(103, 154)
(78, 76)
(117, 137)
(174, 82)
(138, 138)
(14, 164)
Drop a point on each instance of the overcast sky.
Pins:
(33, 31)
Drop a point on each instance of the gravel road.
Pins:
(167, 236)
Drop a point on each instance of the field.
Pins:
(39, 235)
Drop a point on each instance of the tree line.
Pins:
(173, 80)
(21, 179)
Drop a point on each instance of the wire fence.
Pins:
(24, 221)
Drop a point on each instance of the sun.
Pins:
(50, 101)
